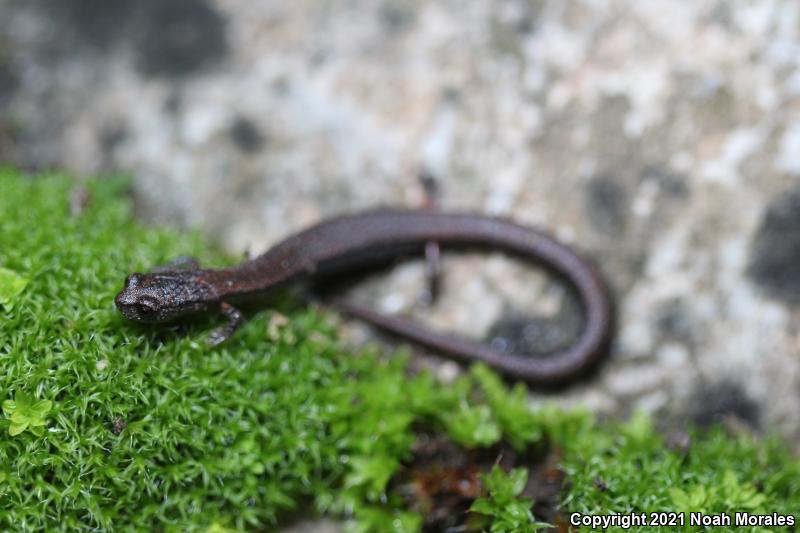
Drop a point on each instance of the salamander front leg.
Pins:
(223, 333)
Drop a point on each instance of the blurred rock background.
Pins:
(660, 137)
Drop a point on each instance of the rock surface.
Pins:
(663, 139)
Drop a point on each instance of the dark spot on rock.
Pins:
(775, 250)
(451, 95)
(673, 320)
(528, 17)
(8, 83)
(712, 404)
(527, 23)
(606, 205)
(281, 86)
(396, 17)
(669, 183)
(720, 14)
(320, 56)
(94, 23)
(180, 37)
(537, 335)
(173, 103)
(112, 136)
(246, 135)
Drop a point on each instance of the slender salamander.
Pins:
(336, 247)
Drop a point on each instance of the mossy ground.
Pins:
(113, 426)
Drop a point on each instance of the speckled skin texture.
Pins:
(662, 137)
(160, 297)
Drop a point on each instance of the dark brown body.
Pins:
(338, 246)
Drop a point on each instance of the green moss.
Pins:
(504, 505)
(111, 425)
(627, 468)
(236, 435)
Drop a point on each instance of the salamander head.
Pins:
(161, 297)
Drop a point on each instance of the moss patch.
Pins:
(111, 425)
(627, 467)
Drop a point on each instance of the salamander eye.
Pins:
(147, 305)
